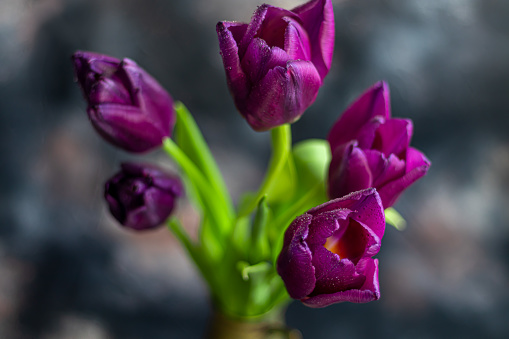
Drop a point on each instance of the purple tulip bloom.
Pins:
(370, 149)
(128, 107)
(327, 252)
(141, 197)
(276, 64)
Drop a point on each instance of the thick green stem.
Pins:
(281, 148)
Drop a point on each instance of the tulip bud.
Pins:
(370, 149)
(275, 64)
(128, 107)
(327, 252)
(141, 197)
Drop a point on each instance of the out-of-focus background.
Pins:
(68, 271)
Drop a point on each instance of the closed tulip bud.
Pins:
(327, 252)
(371, 149)
(275, 64)
(128, 107)
(141, 197)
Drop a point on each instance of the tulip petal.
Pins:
(369, 212)
(294, 263)
(252, 29)
(149, 97)
(417, 166)
(237, 29)
(304, 82)
(274, 26)
(318, 20)
(265, 107)
(99, 63)
(333, 274)
(296, 41)
(393, 136)
(108, 90)
(326, 223)
(348, 203)
(369, 268)
(260, 58)
(348, 171)
(384, 169)
(354, 296)
(167, 184)
(126, 127)
(156, 177)
(159, 205)
(282, 95)
(88, 64)
(374, 102)
(351, 226)
(416, 159)
(370, 291)
(352, 240)
(235, 77)
(366, 134)
(365, 207)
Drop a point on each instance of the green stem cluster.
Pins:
(237, 249)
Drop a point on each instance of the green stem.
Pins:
(281, 148)
(213, 206)
(180, 233)
(201, 155)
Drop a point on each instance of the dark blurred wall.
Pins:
(68, 271)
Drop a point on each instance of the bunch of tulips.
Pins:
(311, 230)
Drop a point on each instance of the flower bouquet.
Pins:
(311, 230)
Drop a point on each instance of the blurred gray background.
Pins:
(68, 271)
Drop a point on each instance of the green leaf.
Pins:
(260, 249)
(240, 236)
(312, 158)
(246, 270)
(392, 217)
(284, 185)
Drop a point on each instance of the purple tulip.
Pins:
(276, 64)
(141, 197)
(128, 107)
(327, 252)
(370, 149)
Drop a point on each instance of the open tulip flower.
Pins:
(276, 64)
(371, 149)
(327, 252)
(126, 105)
